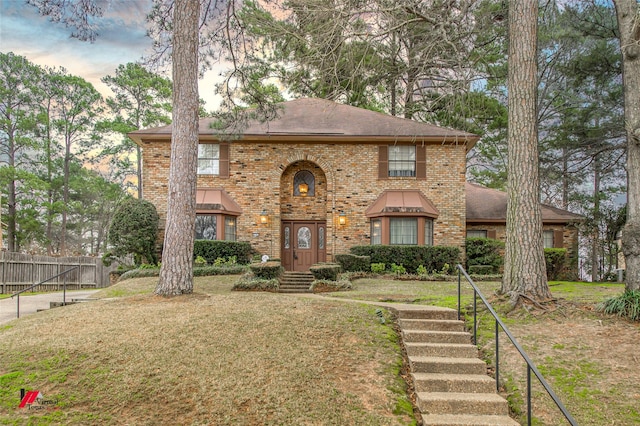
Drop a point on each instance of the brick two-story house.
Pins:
(320, 178)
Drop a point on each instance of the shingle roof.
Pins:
(490, 205)
(324, 119)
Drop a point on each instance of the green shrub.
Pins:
(267, 270)
(480, 270)
(353, 263)
(200, 260)
(249, 282)
(133, 231)
(378, 268)
(422, 270)
(325, 271)
(211, 250)
(398, 269)
(433, 258)
(626, 305)
(555, 260)
(485, 252)
(208, 270)
(140, 273)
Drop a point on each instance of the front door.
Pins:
(303, 244)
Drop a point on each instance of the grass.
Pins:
(248, 358)
(214, 357)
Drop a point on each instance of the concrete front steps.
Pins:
(451, 383)
(295, 282)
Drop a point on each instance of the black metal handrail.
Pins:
(64, 289)
(499, 324)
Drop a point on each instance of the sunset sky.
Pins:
(122, 38)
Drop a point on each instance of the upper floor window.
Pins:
(402, 160)
(209, 159)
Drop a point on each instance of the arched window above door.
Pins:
(304, 184)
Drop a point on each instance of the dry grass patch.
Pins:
(213, 357)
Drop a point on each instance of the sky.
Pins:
(122, 39)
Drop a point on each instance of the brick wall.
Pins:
(261, 178)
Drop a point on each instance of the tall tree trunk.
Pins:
(176, 273)
(595, 235)
(628, 12)
(524, 269)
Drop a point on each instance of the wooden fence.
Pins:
(19, 271)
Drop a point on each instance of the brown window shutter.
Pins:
(558, 239)
(383, 162)
(224, 160)
(491, 233)
(421, 162)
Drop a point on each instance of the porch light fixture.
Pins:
(304, 189)
(342, 219)
(263, 217)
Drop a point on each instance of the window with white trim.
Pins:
(209, 159)
(547, 238)
(402, 160)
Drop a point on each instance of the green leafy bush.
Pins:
(378, 268)
(208, 270)
(353, 263)
(133, 231)
(433, 258)
(249, 282)
(626, 305)
(484, 252)
(555, 259)
(267, 271)
(210, 250)
(398, 269)
(325, 271)
(422, 270)
(480, 270)
(200, 261)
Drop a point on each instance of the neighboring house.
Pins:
(319, 179)
(486, 216)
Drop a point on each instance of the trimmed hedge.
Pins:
(484, 251)
(480, 270)
(325, 271)
(266, 271)
(211, 250)
(555, 259)
(353, 263)
(433, 258)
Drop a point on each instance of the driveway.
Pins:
(29, 304)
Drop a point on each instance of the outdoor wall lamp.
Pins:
(263, 217)
(304, 189)
(342, 219)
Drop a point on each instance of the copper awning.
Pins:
(407, 202)
(216, 201)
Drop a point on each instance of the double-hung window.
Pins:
(209, 159)
(402, 160)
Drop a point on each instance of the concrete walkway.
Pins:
(30, 303)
